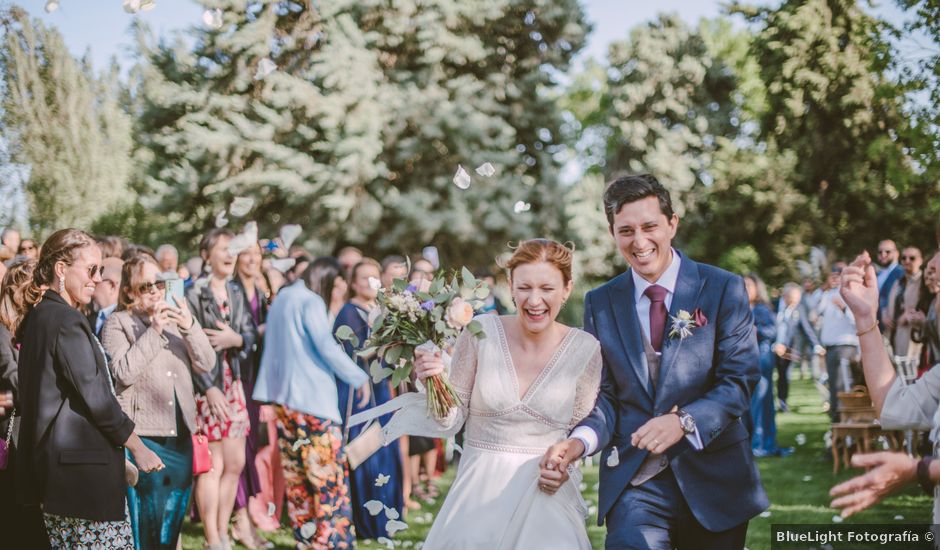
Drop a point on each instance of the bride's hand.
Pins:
(552, 476)
(428, 364)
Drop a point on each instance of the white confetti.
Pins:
(592, 510)
(462, 178)
(212, 18)
(283, 264)
(521, 206)
(765, 514)
(807, 478)
(241, 206)
(898, 518)
(239, 244)
(382, 480)
(51, 6)
(289, 234)
(801, 439)
(582, 487)
(614, 459)
(393, 526)
(391, 513)
(134, 6)
(265, 67)
(837, 519)
(486, 170)
(308, 530)
(220, 219)
(386, 541)
(596, 487)
(272, 509)
(374, 507)
(300, 443)
(375, 284)
(251, 232)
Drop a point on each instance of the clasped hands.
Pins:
(656, 436)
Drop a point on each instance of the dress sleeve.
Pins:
(589, 384)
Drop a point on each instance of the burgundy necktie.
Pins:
(657, 296)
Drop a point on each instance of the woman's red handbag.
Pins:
(202, 456)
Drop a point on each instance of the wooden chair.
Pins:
(858, 423)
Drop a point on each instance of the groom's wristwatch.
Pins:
(686, 421)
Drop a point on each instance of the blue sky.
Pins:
(102, 25)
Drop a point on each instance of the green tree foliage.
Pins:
(358, 133)
(662, 103)
(65, 123)
(832, 101)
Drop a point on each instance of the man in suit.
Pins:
(888, 274)
(676, 463)
(105, 299)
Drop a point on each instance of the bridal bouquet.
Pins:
(427, 316)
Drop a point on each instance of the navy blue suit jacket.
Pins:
(709, 374)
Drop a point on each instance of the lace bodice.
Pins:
(496, 418)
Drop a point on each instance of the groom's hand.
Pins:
(553, 468)
(659, 434)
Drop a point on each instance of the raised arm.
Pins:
(899, 406)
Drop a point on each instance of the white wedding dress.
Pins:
(495, 502)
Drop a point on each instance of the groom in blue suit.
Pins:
(680, 362)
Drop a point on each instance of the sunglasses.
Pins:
(99, 269)
(146, 288)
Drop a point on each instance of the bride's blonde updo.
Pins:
(542, 250)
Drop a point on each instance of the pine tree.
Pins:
(65, 123)
(358, 133)
(215, 124)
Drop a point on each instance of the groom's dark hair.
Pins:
(627, 189)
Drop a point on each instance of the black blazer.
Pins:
(70, 457)
(204, 308)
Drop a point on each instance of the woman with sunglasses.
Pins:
(155, 348)
(220, 306)
(73, 432)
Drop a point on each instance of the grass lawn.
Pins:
(798, 486)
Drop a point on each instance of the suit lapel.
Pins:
(688, 287)
(623, 305)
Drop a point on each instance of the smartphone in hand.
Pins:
(174, 292)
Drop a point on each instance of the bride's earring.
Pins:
(61, 285)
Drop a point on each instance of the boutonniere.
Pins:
(683, 323)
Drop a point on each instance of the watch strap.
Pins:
(923, 475)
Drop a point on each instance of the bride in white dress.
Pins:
(524, 386)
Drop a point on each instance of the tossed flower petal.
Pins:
(462, 178)
(374, 507)
(289, 234)
(212, 18)
(486, 170)
(393, 526)
(382, 480)
(391, 513)
(614, 459)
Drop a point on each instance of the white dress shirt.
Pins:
(668, 281)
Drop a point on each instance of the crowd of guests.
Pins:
(136, 390)
(810, 330)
